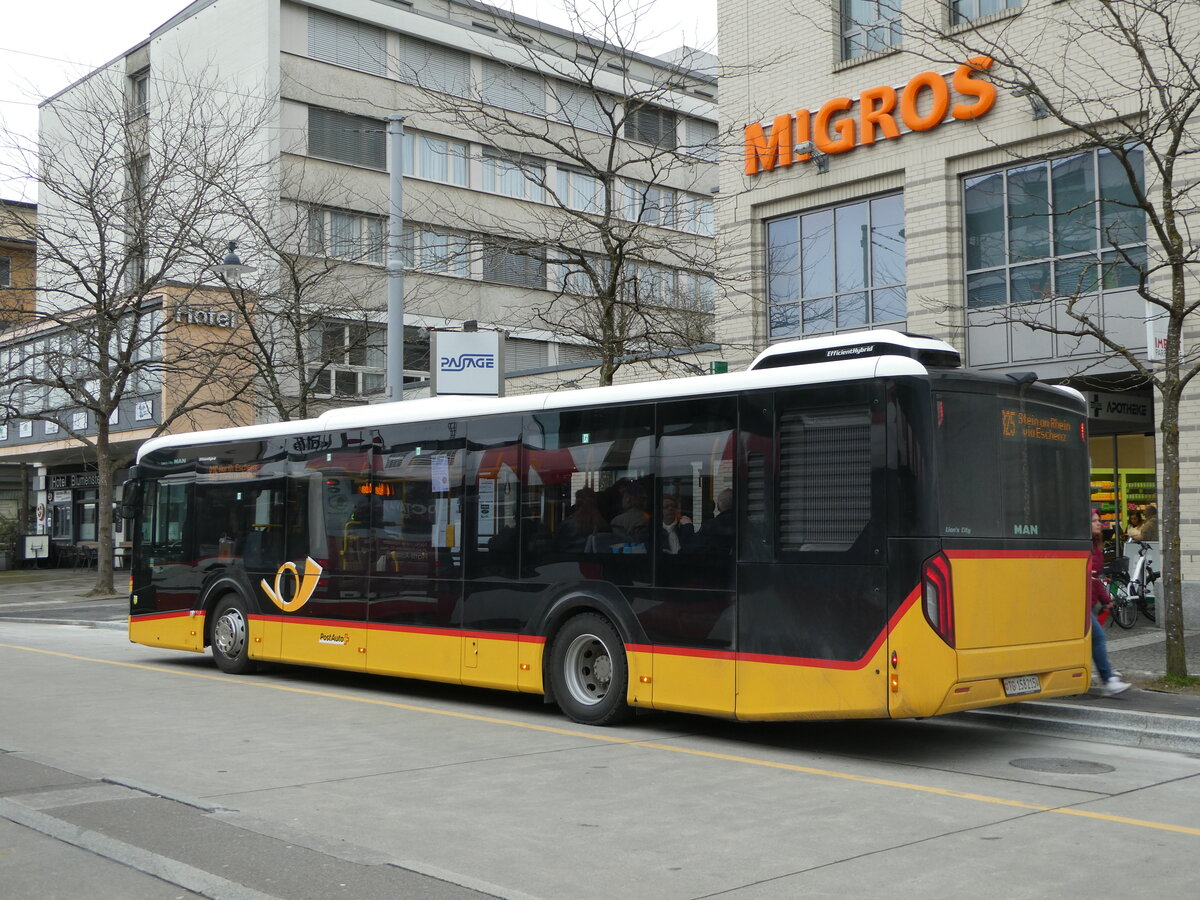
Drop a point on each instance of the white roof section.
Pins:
(854, 339)
(434, 409)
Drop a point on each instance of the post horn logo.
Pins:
(305, 585)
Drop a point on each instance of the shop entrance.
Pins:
(1124, 485)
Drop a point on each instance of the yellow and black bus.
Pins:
(854, 527)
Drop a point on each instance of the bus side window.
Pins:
(588, 489)
(695, 517)
(493, 467)
(165, 521)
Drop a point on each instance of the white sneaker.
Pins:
(1114, 686)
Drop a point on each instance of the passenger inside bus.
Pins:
(678, 533)
(632, 524)
(719, 531)
(582, 525)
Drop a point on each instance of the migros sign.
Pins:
(836, 129)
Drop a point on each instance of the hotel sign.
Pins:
(844, 123)
(217, 318)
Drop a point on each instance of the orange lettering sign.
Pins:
(923, 104)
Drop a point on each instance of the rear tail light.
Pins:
(938, 596)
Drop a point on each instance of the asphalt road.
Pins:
(134, 763)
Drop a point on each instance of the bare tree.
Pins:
(1123, 81)
(316, 298)
(620, 230)
(130, 206)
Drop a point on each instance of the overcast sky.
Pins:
(45, 45)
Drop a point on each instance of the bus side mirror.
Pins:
(131, 499)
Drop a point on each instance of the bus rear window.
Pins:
(1010, 468)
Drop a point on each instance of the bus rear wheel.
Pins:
(231, 636)
(589, 671)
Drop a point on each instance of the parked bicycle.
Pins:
(1132, 586)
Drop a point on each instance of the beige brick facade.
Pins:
(781, 58)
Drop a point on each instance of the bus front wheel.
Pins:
(589, 671)
(231, 636)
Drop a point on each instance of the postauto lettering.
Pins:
(465, 361)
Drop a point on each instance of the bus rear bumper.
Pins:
(1014, 688)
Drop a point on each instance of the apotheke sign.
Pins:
(1121, 408)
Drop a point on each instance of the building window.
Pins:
(346, 138)
(509, 262)
(139, 93)
(701, 137)
(346, 235)
(651, 125)
(521, 355)
(434, 67)
(5, 272)
(963, 11)
(514, 89)
(649, 204)
(1054, 228)
(695, 291)
(437, 252)
(868, 26)
(345, 42)
(513, 176)
(695, 215)
(435, 159)
(582, 107)
(580, 191)
(354, 358)
(836, 269)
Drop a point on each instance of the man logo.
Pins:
(305, 585)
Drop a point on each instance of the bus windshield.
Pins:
(1010, 467)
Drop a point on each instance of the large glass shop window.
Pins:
(836, 269)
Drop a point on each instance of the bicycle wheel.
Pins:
(1145, 603)
(1124, 610)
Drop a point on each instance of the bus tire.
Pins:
(231, 636)
(589, 671)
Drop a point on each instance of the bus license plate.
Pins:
(1022, 684)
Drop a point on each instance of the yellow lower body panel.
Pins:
(490, 662)
(777, 691)
(694, 684)
(182, 631)
(413, 654)
(529, 665)
(335, 645)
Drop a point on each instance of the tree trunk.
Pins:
(1172, 575)
(104, 524)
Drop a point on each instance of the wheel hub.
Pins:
(229, 633)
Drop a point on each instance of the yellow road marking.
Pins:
(604, 738)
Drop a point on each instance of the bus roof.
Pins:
(432, 409)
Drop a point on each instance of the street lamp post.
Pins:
(395, 261)
(231, 268)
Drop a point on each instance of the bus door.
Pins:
(319, 583)
(165, 583)
(689, 616)
(496, 602)
(812, 586)
(415, 560)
